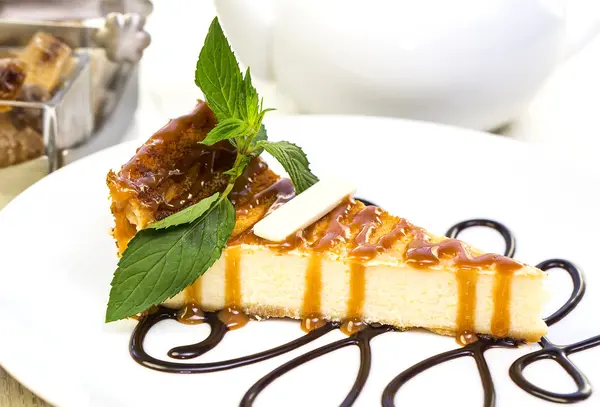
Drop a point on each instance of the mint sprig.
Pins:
(240, 112)
(218, 74)
(167, 256)
(293, 161)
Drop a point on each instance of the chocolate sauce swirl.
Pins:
(475, 350)
(218, 331)
(361, 339)
(558, 353)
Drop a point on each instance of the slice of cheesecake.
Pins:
(358, 264)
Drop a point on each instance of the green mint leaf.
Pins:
(218, 74)
(248, 100)
(160, 263)
(187, 215)
(293, 160)
(226, 129)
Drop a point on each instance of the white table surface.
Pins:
(563, 118)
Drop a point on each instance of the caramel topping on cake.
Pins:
(191, 313)
(232, 315)
(174, 170)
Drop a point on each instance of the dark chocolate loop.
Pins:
(390, 391)
(136, 347)
(509, 238)
(578, 287)
(475, 350)
(360, 339)
(555, 352)
(558, 354)
(217, 331)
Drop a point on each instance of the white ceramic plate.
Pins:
(57, 260)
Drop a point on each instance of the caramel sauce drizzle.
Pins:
(466, 279)
(336, 231)
(232, 316)
(311, 305)
(243, 185)
(423, 254)
(284, 192)
(365, 222)
(185, 168)
(141, 175)
(191, 313)
(353, 323)
(502, 293)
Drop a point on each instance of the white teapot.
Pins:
(473, 63)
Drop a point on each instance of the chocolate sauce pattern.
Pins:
(362, 338)
(558, 353)
(218, 331)
(475, 350)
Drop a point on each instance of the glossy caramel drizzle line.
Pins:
(502, 292)
(365, 221)
(336, 231)
(466, 279)
(232, 316)
(192, 313)
(353, 321)
(233, 287)
(311, 305)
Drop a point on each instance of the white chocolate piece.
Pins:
(304, 210)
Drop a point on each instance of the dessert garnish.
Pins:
(171, 254)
